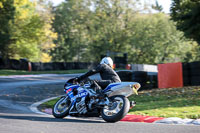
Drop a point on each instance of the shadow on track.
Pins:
(48, 119)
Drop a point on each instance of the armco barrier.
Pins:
(125, 75)
(146, 75)
(24, 64)
(15, 64)
(170, 75)
(140, 77)
(148, 80)
(152, 80)
(186, 74)
(58, 65)
(144, 67)
(191, 73)
(194, 73)
(21, 64)
(38, 66)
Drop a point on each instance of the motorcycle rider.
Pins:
(105, 69)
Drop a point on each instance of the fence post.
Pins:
(29, 67)
(170, 75)
(128, 66)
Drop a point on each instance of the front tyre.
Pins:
(118, 108)
(61, 107)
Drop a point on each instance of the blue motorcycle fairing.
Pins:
(81, 93)
(110, 86)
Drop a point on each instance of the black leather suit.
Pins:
(108, 75)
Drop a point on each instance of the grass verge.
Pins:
(171, 102)
(20, 72)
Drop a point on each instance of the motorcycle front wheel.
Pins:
(61, 107)
(118, 108)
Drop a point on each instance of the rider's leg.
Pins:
(95, 86)
(99, 85)
(103, 83)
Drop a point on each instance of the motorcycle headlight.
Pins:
(135, 88)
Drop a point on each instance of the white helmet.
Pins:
(108, 61)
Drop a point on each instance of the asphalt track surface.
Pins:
(17, 94)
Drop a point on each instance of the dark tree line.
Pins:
(187, 15)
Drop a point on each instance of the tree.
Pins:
(187, 15)
(69, 23)
(7, 12)
(96, 27)
(88, 29)
(109, 27)
(155, 40)
(157, 7)
(46, 44)
(29, 34)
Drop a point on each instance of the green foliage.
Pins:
(187, 15)
(70, 25)
(157, 7)
(83, 30)
(109, 31)
(29, 32)
(171, 102)
(156, 40)
(7, 10)
(88, 29)
(45, 42)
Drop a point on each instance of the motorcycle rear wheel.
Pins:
(117, 110)
(61, 107)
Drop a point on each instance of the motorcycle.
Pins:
(82, 100)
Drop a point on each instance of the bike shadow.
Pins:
(50, 119)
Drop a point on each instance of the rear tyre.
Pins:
(61, 107)
(118, 108)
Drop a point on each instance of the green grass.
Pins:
(20, 72)
(172, 102)
(48, 104)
